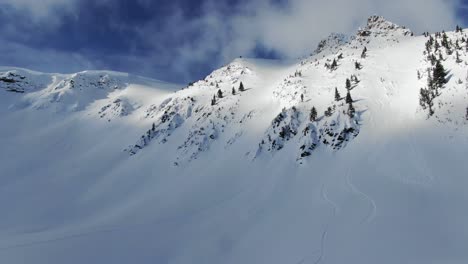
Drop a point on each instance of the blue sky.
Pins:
(183, 40)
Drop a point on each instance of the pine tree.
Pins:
(426, 100)
(439, 75)
(313, 114)
(348, 84)
(233, 91)
(349, 99)
(328, 112)
(337, 95)
(357, 65)
(334, 65)
(213, 101)
(153, 128)
(436, 45)
(445, 42)
(302, 97)
(458, 60)
(441, 58)
(364, 53)
(351, 110)
(220, 93)
(241, 87)
(466, 116)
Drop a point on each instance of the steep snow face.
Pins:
(311, 162)
(331, 44)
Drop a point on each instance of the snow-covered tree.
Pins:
(337, 95)
(458, 60)
(334, 65)
(241, 87)
(220, 93)
(357, 65)
(348, 84)
(328, 112)
(313, 114)
(351, 110)
(439, 75)
(364, 53)
(349, 99)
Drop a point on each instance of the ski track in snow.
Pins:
(373, 210)
(323, 238)
(322, 245)
(336, 208)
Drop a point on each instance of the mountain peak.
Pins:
(379, 26)
(331, 43)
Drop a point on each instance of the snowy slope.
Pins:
(103, 167)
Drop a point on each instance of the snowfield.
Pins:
(106, 167)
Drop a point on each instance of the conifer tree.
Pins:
(213, 101)
(328, 112)
(348, 84)
(436, 45)
(233, 91)
(302, 97)
(153, 128)
(334, 65)
(426, 100)
(439, 75)
(364, 53)
(313, 114)
(351, 110)
(337, 95)
(357, 65)
(241, 87)
(349, 99)
(220, 93)
(445, 42)
(458, 60)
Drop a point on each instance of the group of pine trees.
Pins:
(145, 139)
(220, 94)
(436, 74)
(441, 40)
(436, 79)
(348, 99)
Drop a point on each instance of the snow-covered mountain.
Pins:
(356, 154)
